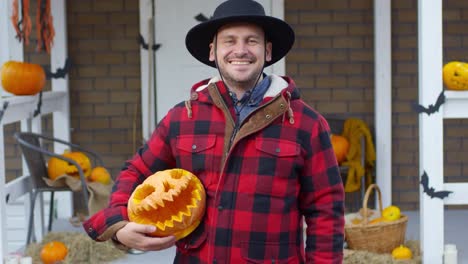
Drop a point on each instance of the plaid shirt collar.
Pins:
(251, 99)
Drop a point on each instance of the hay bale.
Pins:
(364, 257)
(81, 248)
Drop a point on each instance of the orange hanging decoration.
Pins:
(45, 27)
(15, 18)
(27, 21)
(22, 33)
(23, 26)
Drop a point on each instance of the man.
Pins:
(263, 156)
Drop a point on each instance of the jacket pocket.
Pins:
(278, 147)
(281, 164)
(196, 143)
(196, 153)
(261, 252)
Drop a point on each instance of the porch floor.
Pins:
(456, 233)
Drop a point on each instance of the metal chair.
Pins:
(35, 152)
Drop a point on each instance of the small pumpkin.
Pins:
(340, 146)
(376, 220)
(455, 75)
(21, 78)
(391, 213)
(171, 200)
(57, 167)
(100, 174)
(53, 252)
(402, 252)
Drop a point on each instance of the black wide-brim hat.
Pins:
(278, 32)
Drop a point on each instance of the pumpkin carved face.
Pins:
(20, 78)
(57, 167)
(340, 147)
(172, 200)
(53, 252)
(455, 75)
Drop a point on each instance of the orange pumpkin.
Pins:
(57, 167)
(100, 174)
(340, 147)
(53, 252)
(171, 200)
(20, 78)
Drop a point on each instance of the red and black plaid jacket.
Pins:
(278, 168)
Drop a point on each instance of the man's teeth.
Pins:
(240, 62)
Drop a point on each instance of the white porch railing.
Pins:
(431, 136)
(20, 109)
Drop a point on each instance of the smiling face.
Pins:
(240, 52)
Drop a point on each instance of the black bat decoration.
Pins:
(2, 112)
(145, 45)
(430, 190)
(201, 18)
(432, 108)
(61, 72)
(39, 105)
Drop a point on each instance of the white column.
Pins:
(277, 10)
(431, 127)
(3, 218)
(61, 119)
(148, 109)
(10, 49)
(383, 97)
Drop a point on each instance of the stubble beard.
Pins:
(244, 83)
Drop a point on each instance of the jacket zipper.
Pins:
(237, 126)
(233, 135)
(210, 251)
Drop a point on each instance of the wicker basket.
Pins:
(382, 237)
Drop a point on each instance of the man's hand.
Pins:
(136, 236)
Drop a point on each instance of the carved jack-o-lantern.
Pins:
(455, 75)
(57, 167)
(172, 200)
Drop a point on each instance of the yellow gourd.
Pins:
(402, 252)
(391, 213)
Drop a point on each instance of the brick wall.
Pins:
(105, 81)
(332, 63)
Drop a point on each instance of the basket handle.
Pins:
(366, 199)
